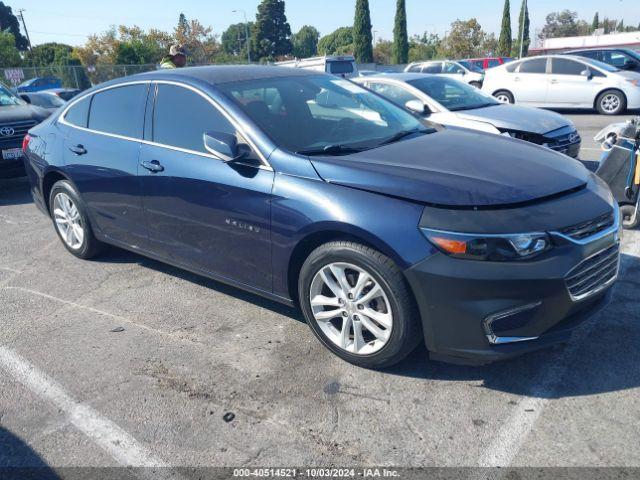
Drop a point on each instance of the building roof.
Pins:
(589, 41)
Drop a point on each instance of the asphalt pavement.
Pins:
(126, 361)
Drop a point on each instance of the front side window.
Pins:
(394, 93)
(472, 67)
(563, 66)
(537, 65)
(322, 112)
(452, 68)
(452, 94)
(119, 110)
(182, 117)
(616, 59)
(415, 69)
(435, 67)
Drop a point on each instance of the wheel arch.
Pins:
(610, 89)
(330, 233)
(48, 181)
(506, 90)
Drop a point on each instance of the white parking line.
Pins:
(119, 444)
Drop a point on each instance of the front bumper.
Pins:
(456, 297)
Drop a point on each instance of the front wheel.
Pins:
(611, 102)
(358, 304)
(504, 97)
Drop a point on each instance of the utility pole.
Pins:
(24, 25)
(524, 17)
(246, 32)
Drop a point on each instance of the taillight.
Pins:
(25, 142)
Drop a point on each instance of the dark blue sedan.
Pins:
(312, 191)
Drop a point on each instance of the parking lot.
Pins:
(126, 361)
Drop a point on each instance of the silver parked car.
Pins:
(565, 81)
(448, 101)
(464, 70)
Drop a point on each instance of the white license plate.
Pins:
(12, 154)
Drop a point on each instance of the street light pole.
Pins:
(24, 25)
(246, 32)
(524, 16)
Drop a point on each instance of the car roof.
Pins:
(398, 76)
(219, 74)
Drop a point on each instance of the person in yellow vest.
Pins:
(177, 58)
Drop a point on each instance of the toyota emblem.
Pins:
(7, 131)
(574, 137)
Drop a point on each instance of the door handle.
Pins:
(553, 81)
(153, 166)
(78, 150)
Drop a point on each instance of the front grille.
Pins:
(590, 228)
(20, 129)
(594, 274)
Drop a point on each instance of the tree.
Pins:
(596, 22)
(271, 32)
(199, 41)
(183, 26)
(9, 53)
(564, 24)
(400, 36)
(337, 43)
(362, 36)
(524, 34)
(383, 52)
(58, 60)
(504, 42)
(234, 39)
(466, 39)
(9, 23)
(621, 26)
(305, 42)
(423, 47)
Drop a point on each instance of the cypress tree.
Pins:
(504, 42)
(400, 53)
(596, 22)
(271, 36)
(523, 23)
(362, 37)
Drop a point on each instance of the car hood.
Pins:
(21, 113)
(457, 168)
(512, 117)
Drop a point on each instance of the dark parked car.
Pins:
(39, 83)
(16, 118)
(622, 58)
(44, 99)
(312, 191)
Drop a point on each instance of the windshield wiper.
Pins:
(406, 133)
(333, 149)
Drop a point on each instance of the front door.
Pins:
(568, 87)
(200, 211)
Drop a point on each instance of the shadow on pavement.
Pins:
(19, 461)
(15, 191)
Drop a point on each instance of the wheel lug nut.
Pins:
(351, 296)
(360, 307)
(345, 314)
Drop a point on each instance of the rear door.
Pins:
(530, 83)
(101, 153)
(568, 88)
(200, 211)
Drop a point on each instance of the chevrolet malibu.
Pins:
(312, 191)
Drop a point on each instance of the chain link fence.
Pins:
(79, 77)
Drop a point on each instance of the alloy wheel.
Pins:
(68, 221)
(502, 98)
(351, 308)
(610, 103)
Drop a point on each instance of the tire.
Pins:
(65, 207)
(397, 323)
(478, 85)
(611, 102)
(628, 212)
(504, 96)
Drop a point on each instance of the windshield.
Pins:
(7, 98)
(452, 94)
(315, 113)
(471, 66)
(601, 65)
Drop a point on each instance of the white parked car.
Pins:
(463, 70)
(343, 65)
(448, 101)
(565, 81)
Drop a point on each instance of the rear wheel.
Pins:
(71, 222)
(611, 102)
(478, 85)
(357, 302)
(504, 96)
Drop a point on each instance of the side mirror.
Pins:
(588, 74)
(416, 106)
(224, 146)
(463, 72)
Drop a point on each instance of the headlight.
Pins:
(494, 248)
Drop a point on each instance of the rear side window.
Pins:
(78, 114)
(340, 67)
(415, 69)
(432, 68)
(512, 67)
(182, 117)
(119, 110)
(562, 66)
(537, 65)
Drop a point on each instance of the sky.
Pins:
(70, 21)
